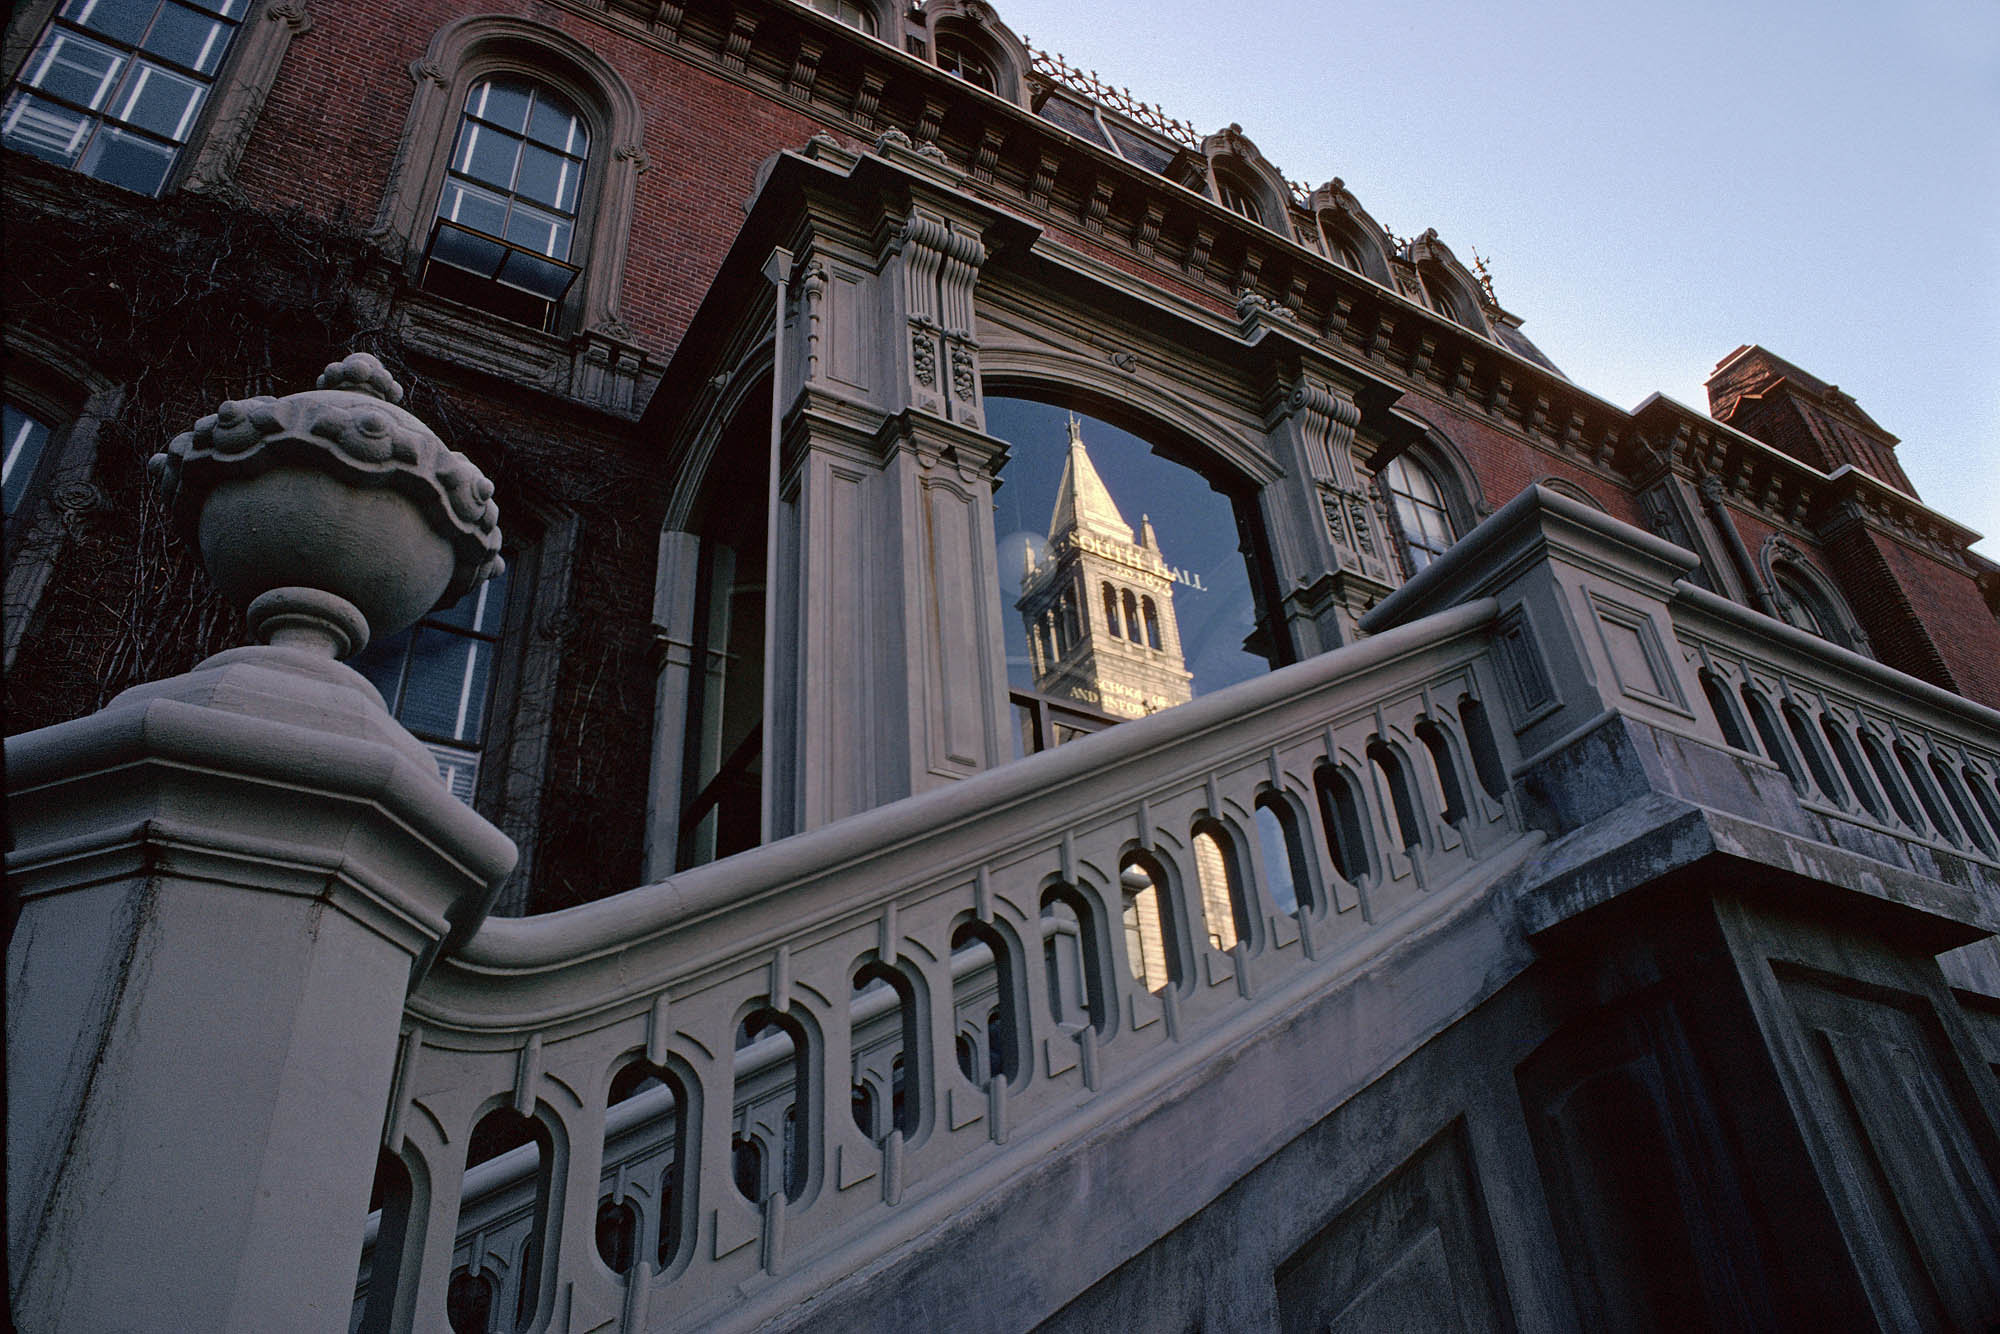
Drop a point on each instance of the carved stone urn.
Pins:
(332, 516)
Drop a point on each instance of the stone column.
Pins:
(887, 661)
(228, 883)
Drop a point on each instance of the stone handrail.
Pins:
(992, 908)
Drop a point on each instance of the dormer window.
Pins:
(1238, 197)
(846, 11)
(957, 56)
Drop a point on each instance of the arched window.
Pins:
(1111, 610)
(1238, 196)
(1133, 630)
(1421, 514)
(958, 55)
(523, 135)
(1808, 603)
(1340, 245)
(1152, 618)
(1806, 598)
(506, 216)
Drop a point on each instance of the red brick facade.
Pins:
(716, 104)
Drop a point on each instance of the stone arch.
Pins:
(1448, 285)
(1233, 160)
(972, 26)
(1806, 597)
(1562, 486)
(483, 45)
(1180, 429)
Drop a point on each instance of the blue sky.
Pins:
(1650, 188)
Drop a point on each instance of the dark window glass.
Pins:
(25, 440)
(114, 88)
(957, 56)
(437, 679)
(507, 213)
(853, 15)
(1238, 197)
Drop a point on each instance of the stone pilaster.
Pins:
(1327, 534)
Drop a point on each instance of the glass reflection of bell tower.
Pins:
(1099, 608)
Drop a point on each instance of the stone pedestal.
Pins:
(227, 881)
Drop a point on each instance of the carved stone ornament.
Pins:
(961, 372)
(332, 514)
(1250, 304)
(923, 356)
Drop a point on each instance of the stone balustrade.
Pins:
(699, 1075)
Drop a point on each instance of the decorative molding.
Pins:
(251, 71)
(472, 48)
(805, 68)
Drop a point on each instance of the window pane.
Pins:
(487, 155)
(548, 178)
(554, 124)
(458, 767)
(480, 610)
(229, 9)
(546, 278)
(504, 104)
(128, 160)
(444, 693)
(154, 99)
(24, 439)
(185, 37)
(121, 20)
(50, 132)
(463, 250)
(382, 663)
(469, 206)
(75, 69)
(540, 232)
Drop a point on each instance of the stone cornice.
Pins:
(1011, 155)
(1118, 221)
(1784, 490)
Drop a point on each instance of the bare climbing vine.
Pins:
(188, 301)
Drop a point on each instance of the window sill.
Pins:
(591, 368)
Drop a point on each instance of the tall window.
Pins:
(1420, 512)
(437, 679)
(506, 218)
(115, 87)
(26, 438)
